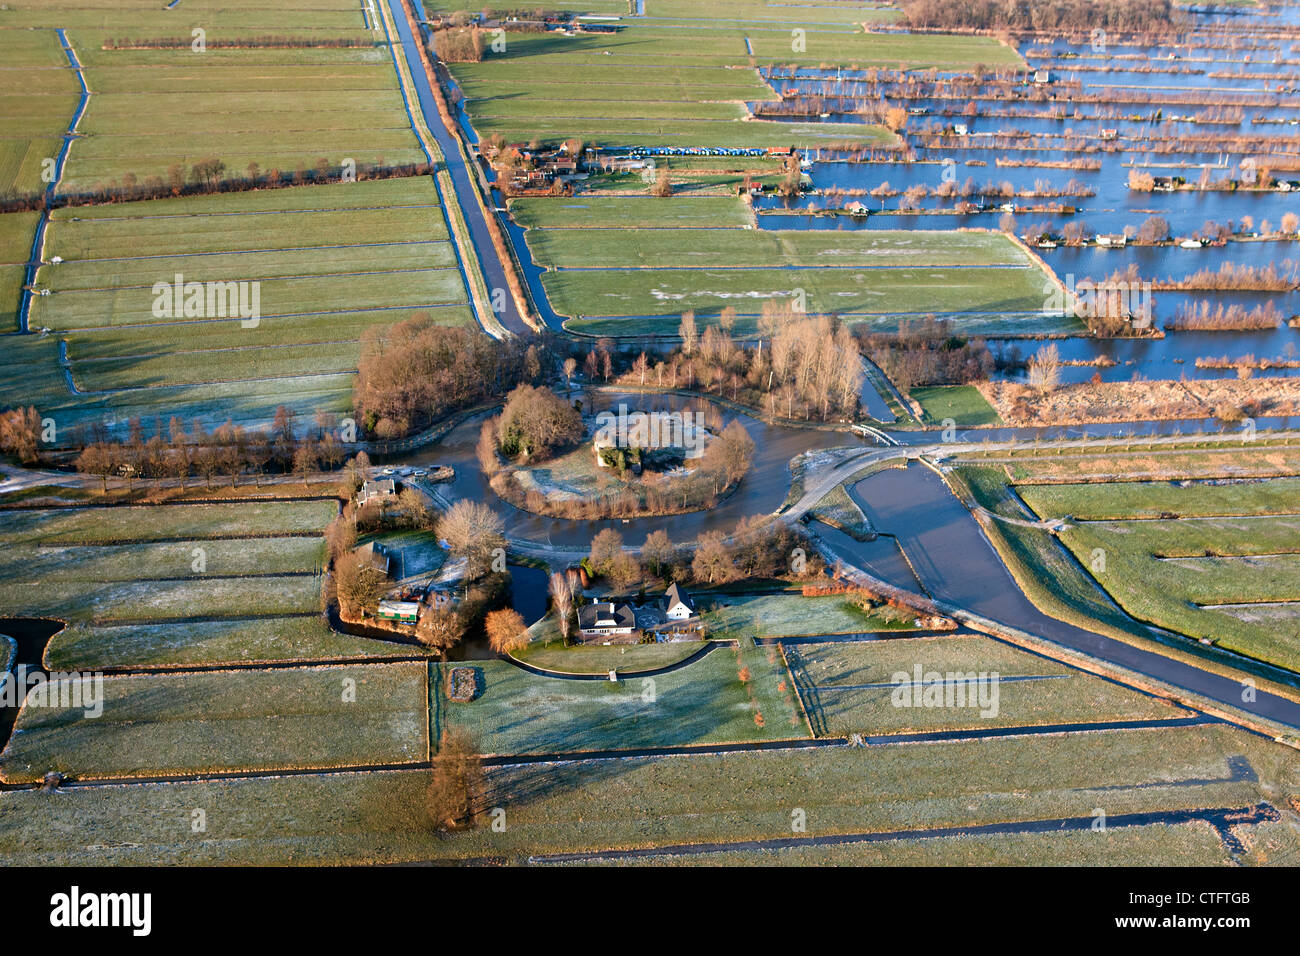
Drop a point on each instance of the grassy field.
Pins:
(887, 293)
(839, 510)
(1139, 499)
(280, 108)
(378, 817)
(1224, 570)
(38, 100)
(552, 655)
(619, 213)
(962, 403)
(611, 248)
(329, 261)
(849, 688)
(175, 585)
(706, 702)
(1262, 459)
(792, 615)
(252, 720)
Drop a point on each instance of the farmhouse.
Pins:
(376, 489)
(606, 620)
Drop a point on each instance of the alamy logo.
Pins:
(208, 300)
(68, 690)
(924, 688)
(76, 909)
(624, 429)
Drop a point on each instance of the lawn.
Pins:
(709, 247)
(791, 615)
(87, 647)
(963, 404)
(705, 702)
(553, 655)
(215, 721)
(329, 261)
(68, 526)
(618, 213)
(839, 510)
(172, 585)
(1142, 499)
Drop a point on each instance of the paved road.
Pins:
(462, 178)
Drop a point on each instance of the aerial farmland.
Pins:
(651, 433)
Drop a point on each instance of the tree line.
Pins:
(229, 451)
(1117, 16)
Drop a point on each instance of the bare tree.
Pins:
(506, 630)
(1045, 368)
(473, 531)
(456, 783)
(562, 600)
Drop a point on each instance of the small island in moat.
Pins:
(542, 454)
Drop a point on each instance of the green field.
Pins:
(849, 688)
(792, 615)
(377, 817)
(884, 293)
(1221, 566)
(550, 653)
(329, 261)
(250, 720)
(962, 403)
(712, 247)
(176, 585)
(706, 702)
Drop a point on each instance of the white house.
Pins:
(678, 605)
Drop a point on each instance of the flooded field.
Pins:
(1209, 131)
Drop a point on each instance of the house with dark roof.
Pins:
(677, 604)
(606, 621)
(375, 489)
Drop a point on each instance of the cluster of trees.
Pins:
(416, 371)
(1116, 16)
(459, 44)
(1222, 317)
(20, 434)
(927, 352)
(1234, 275)
(534, 424)
(803, 367)
(456, 782)
(229, 451)
(760, 547)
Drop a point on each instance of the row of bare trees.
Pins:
(802, 367)
(229, 451)
(761, 547)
